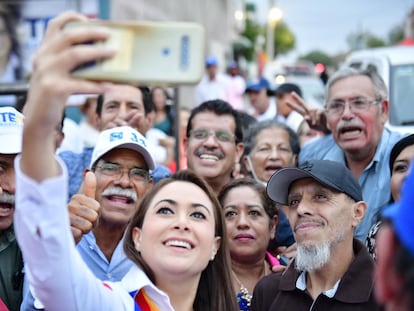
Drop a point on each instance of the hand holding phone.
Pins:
(154, 53)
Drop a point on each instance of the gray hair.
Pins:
(381, 91)
(250, 140)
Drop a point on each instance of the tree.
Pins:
(283, 40)
(251, 32)
(318, 57)
(396, 34)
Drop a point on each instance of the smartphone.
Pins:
(150, 53)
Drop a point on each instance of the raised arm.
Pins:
(51, 84)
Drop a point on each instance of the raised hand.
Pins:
(51, 83)
(84, 209)
(316, 117)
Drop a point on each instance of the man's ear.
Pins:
(358, 212)
(239, 152)
(385, 109)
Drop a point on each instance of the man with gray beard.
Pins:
(11, 262)
(118, 176)
(332, 270)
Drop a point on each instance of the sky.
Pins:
(325, 24)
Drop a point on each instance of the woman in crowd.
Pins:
(270, 146)
(177, 236)
(163, 120)
(401, 158)
(251, 219)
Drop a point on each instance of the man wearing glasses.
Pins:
(121, 164)
(213, 142)
(356, 112)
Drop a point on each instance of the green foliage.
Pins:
(252, 30)
(284, 40)
(318, 57)
(374, 42)
(396, 35)
(361, 40)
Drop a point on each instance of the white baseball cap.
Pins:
(11, 130)
(121, 137)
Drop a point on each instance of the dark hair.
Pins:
(218, 107)
(10, 15)
(268, 205)
(400, 146)
(214, 291)
(146, 99)
(252, 132)
(246, 121)
(171, 114)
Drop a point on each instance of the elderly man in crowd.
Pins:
(356, 111)
(121, 164)
(332, 270)
(11, 262)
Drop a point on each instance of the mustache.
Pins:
(308, 220)
(7, 198)
(349, 123)
(214, 151)
(114, 190)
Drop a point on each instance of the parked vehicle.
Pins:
(396, 66)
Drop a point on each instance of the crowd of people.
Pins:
(251, 217)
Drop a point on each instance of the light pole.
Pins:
(273, 17)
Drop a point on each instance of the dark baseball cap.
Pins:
(331, 174)
(288, 88)
(258, 85)
(211, 61)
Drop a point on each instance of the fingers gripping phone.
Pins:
(154, 53)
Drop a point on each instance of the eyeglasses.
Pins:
(222, 136)
(114, 170)
(359, 104)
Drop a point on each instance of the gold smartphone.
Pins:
(152, 53)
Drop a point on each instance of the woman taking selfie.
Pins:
(177, 240)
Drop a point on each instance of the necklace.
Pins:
(244, 298)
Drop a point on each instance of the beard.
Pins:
(312, 257)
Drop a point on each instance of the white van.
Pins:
(396, 66)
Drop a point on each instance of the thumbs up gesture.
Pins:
(83, 208)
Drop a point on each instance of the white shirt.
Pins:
(212, 89)
(73, 137)
(56, 271)
(269, 114)
(293, 120)
(236, 88)
(158, 152)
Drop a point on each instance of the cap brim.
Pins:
(279, 183)
(253, 89)
(138, 148)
